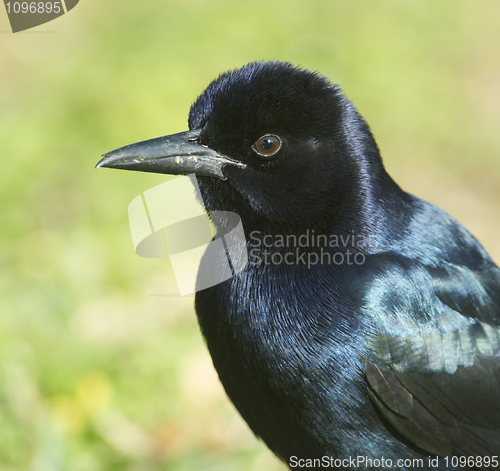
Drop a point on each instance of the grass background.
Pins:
(96, 374)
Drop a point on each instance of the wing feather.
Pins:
(434, 374)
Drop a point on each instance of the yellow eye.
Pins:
(267, 145)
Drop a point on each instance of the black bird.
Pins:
(388, 346)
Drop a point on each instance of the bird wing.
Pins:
(434, 371)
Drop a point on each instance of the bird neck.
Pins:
(359, 225)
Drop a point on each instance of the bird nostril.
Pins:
(197, 140)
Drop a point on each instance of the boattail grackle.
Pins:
(366, 324)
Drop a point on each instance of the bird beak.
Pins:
(177, 154)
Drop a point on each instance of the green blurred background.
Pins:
(97, 374)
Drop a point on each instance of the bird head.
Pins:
(279, 145)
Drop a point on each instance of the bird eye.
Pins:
(267, 145)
